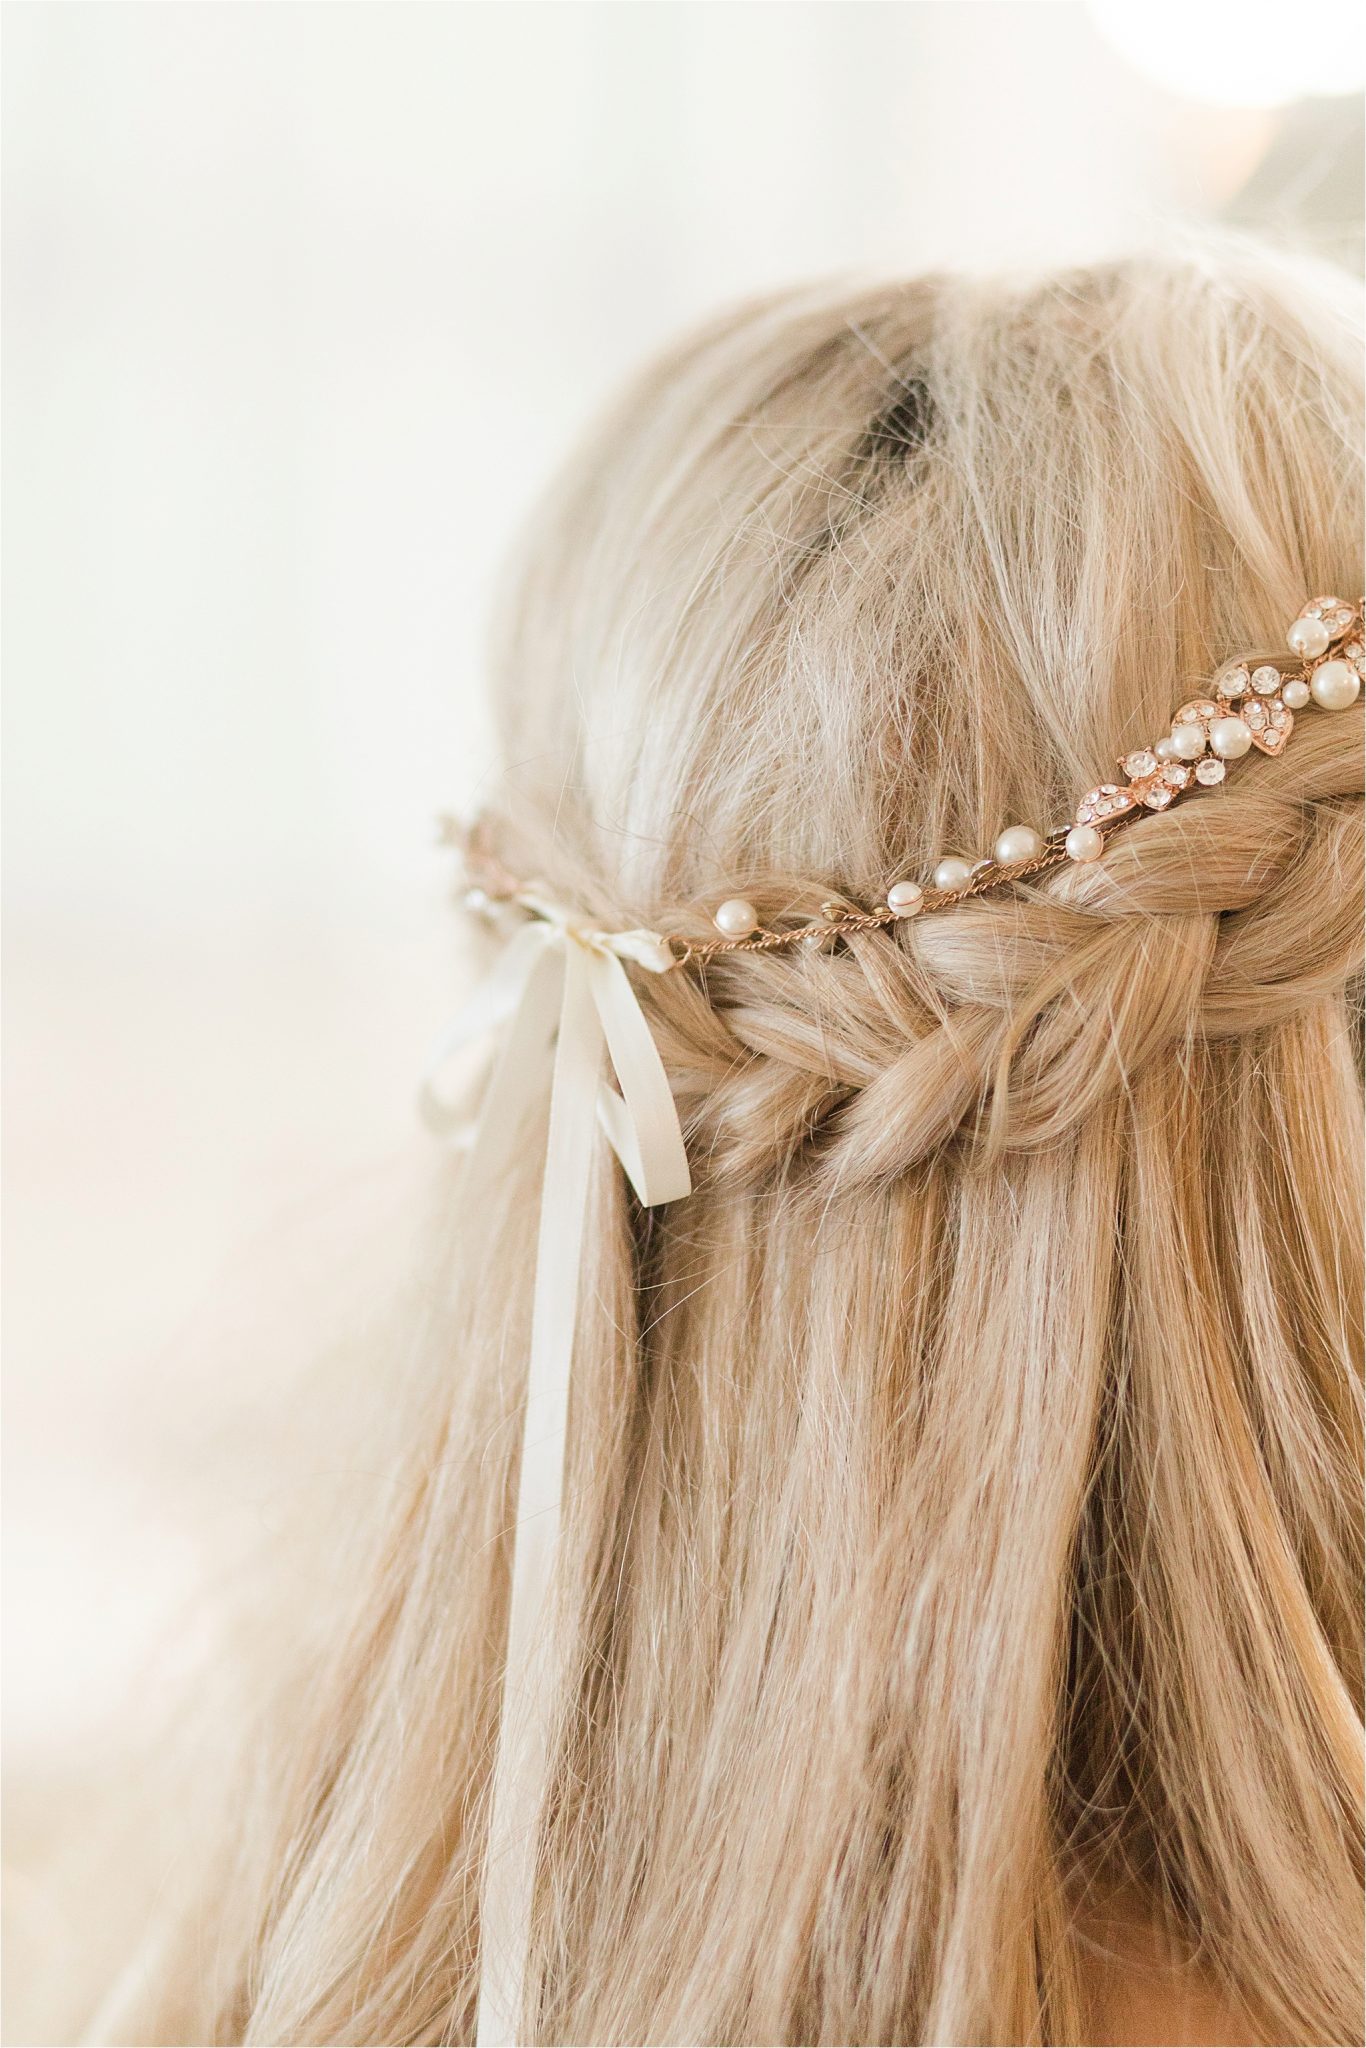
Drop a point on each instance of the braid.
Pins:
(1011, 1019)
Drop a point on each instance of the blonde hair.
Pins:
(963, 1517)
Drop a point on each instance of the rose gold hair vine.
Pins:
(1249, 706)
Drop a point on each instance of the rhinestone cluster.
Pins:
(1250, 706)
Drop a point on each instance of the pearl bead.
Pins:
(1295, 693)
(905, 898)
(1229, 738)
(1165, 749)
(736, 917)
(1083, 842)
(1188, 741)
(952, 874)
(1335, 685)
(1307, 637)
(1016, 843)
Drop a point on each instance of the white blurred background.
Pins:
(302, 302)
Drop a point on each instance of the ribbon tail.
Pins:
(642, 1122)
(531, 1680)
(511, 990)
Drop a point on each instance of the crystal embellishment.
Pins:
(1107, 800)
(1160, 783)
(1270, 722)
(1336, 615)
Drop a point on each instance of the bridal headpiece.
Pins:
(563, 999)
(1250, 707)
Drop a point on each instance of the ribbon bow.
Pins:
(559, 985)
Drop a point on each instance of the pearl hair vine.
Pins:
(1250, 706)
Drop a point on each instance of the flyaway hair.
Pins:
(961, 1520)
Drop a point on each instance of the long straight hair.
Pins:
(963, 1509)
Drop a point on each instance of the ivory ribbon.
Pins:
(564, 987)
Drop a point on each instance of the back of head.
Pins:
(962, 1529)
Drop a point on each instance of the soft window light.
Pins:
(1241, 55)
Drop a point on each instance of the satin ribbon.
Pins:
(558, 985)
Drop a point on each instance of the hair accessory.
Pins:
(566, 1000)
(1251, 706)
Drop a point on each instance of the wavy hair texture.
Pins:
(963, 1523)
